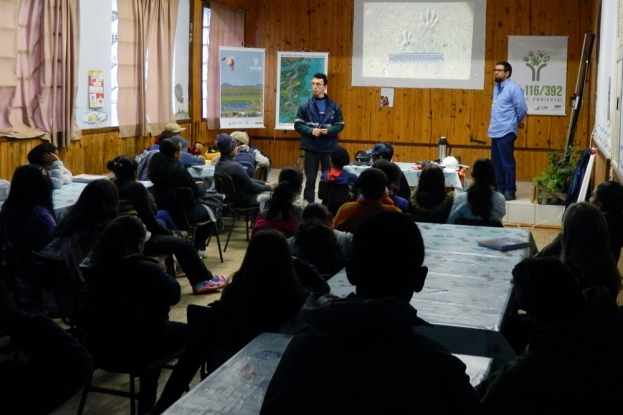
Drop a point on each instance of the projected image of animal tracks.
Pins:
(418, 40)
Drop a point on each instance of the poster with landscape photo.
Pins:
(242, 87)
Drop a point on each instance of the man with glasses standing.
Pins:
(507, 113)
(319, 121)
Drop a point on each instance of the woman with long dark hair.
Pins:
(162, 240)
(586, 248)
(262, 296)
(26, 221)
(116, 272)
(430, 202)
(76, 233)
(481, 201)
(283, 208)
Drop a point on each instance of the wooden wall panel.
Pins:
(419, 116)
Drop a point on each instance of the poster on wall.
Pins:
(540, 68)
(295, 71)
(242, 87)
(96, 89)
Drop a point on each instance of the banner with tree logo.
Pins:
(540, 68)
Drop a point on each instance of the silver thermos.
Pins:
(443, 148)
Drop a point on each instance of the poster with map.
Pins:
(294, 74)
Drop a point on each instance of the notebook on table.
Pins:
(505, 244)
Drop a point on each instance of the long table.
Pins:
(467, 293)
(65, 197)
(412, 175)
(238, 387)
(202, 172)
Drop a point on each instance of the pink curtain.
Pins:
(226, 29)
(46, 66)
(8, 60)
(144, 75)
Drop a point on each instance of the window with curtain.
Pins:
(38, 77)
(205, 43)
(145, 76)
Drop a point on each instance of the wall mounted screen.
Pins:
(419, 44)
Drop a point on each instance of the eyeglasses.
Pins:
(500, 70)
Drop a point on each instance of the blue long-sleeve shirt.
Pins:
(508, 110)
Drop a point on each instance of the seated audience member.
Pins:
(321, 213)
(385, 151)
(574, 361)
(247, 189)
(166, 172)
(608, 197)
(586, 248)
(46, 156)
(481, 200)
(360, 354)
(137, 196)
(430, 202)
(373, 186)
(51, 368)
(262, 296)
(392, 172)
(316, 243)
(337, 179)
(336, 175)
(248, 156)
(78, 231)
(186, 158)
(282, 209)
(26, 221)
(162, 240)
(117, 272)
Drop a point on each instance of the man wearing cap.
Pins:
(249, 155)
(247, 189)
(319, 121)
(385, 151)
(507, 112)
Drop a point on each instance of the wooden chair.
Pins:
(225, 185)
(177, 201)
(56, 280)
(261, 173)
(335, 196)
(116, 336)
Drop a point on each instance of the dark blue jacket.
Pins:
(308, 118)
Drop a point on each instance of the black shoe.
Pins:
(509, 196)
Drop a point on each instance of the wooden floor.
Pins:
(99, 404)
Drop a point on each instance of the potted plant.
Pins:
(553, 183)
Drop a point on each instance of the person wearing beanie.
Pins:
(247, 189)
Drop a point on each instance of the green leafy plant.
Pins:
(556, 177)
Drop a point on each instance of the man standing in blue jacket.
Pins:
(507, 113)
(319, 121)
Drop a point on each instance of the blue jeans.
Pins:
(312, 158)
(504, 161)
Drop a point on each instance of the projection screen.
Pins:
(419, 44)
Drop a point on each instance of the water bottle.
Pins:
(443, 148)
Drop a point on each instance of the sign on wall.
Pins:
(294, 74)
(96, 89)
(242, 87)
(540, 68)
